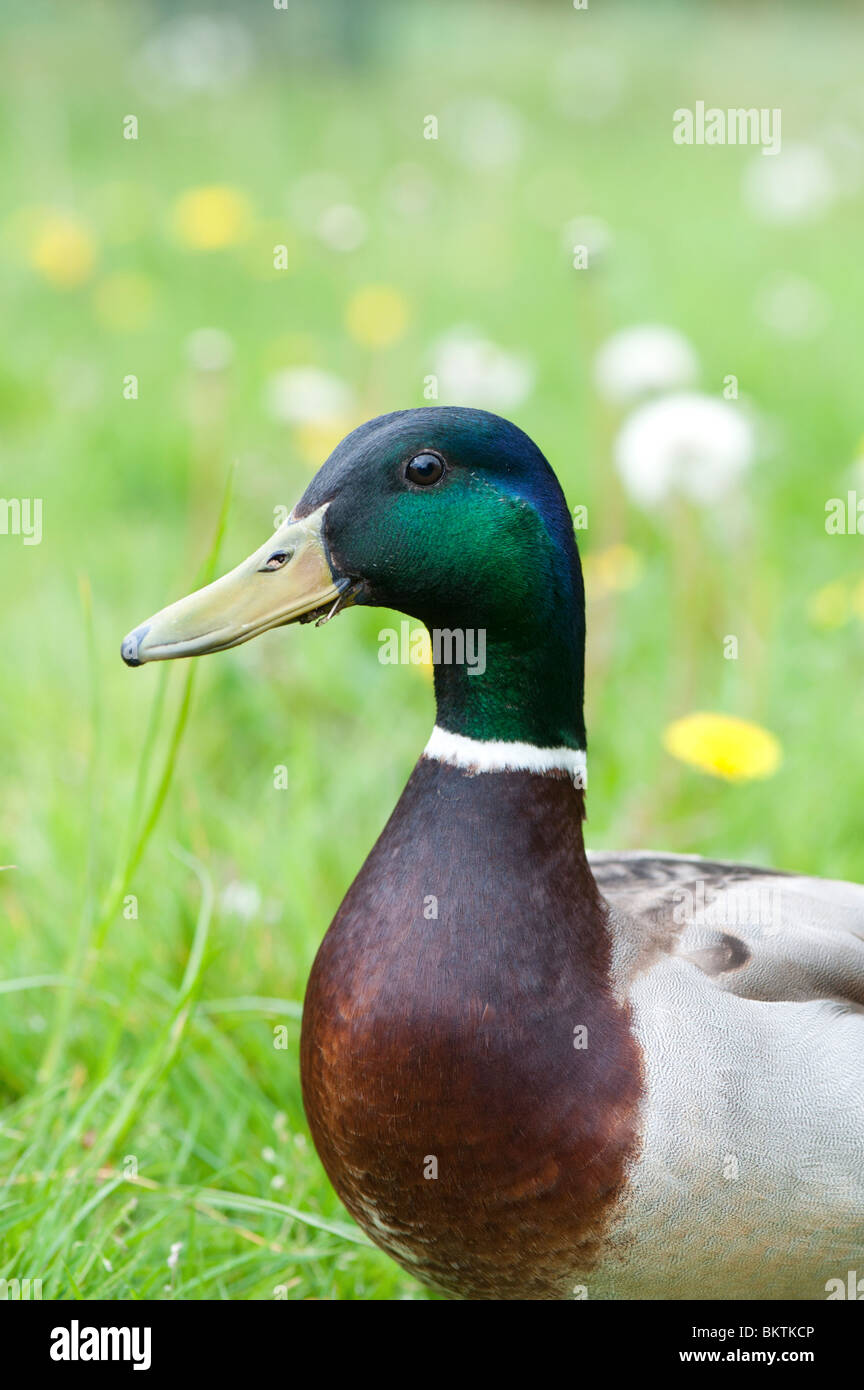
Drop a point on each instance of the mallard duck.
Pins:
(532, 1072)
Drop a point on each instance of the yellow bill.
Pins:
(287, 580)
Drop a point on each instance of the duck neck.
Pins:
(517, 687)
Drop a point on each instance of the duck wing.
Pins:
(758, 933)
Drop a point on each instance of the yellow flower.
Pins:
(317, 439)
(123, 300)
(206, 219)
(858, 598)
(611, 570)
(424, 647)
(376, 315)
(62, 249)
(723, 746)
(829, 607)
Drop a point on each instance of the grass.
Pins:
(167, 900)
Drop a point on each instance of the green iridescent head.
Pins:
(453, 517)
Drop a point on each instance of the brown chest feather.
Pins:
(471, 1083)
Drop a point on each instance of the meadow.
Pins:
(196, 307)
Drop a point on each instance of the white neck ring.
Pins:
(481, 755)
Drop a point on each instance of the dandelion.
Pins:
(241, 900)
(307, 396)
(316, 442)
(209, 218)
(486, 133)
(197, 53)
(209, 349)
(831, 606)
(689, 444)
(62, 249)
(593, 234)
(471, 370)
(643, 360)
(612, 570)
(796, 185)
(376, 316)
(421, 655)
(723, 746)
(123, 300)
(342, 227)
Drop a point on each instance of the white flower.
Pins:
(485, 133)
(209, 349)
(198, 53)
(342, 227)
(241, 900)
(689, 444)
(796, 185)
(592, 233)
(174, 1254)
(307, 396)
(647, 358)
(471, 370)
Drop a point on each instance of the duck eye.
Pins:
(277, 560)
(425, 469)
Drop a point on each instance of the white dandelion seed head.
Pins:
(796, 185)
(209, 349)
(472, 370)
(592, 233)
(644, 360)
(688, 444)
(197, 53)
(241, 900)
(487, 134)
(307, 396)
(342, 227)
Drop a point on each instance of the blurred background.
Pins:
(229, 234)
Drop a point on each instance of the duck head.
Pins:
(450, 515)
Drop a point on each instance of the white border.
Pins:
(477, 755)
